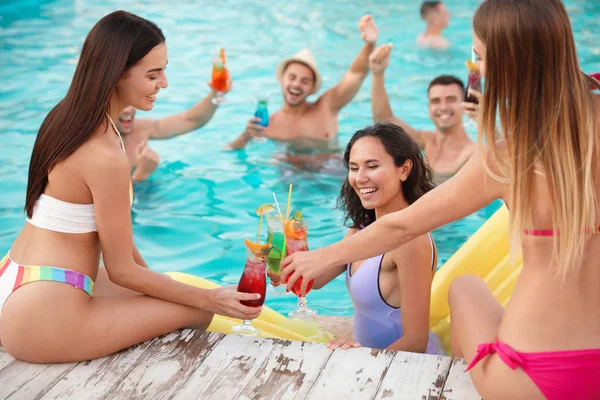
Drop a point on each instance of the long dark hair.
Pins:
(115, 44)
(401, 147)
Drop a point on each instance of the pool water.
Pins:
(195, 212)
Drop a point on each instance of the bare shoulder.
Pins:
(417, 250)
(323, 103)
(275, 115)
(470, 149)
(104, 156)
(428, 138)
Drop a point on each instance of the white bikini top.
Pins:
(61, 216)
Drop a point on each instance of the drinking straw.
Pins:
(282, 224)
(287, 210)
(259, 226)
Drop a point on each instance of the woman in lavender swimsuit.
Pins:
(390, 292)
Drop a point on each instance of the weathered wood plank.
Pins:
(459, 385)
(94, 379)
(352, 374)
(415, 376)
(227, 370)
(289, 372)
(166, 365)
(22, 380)
(5, 358)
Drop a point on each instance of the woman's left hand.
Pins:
(472, 109)
(303, 264)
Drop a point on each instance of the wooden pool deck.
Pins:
(192, 365)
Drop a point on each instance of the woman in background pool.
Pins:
(390, 292)
(77, 204)
(546, 344)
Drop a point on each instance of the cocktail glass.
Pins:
(220, 77)
(253, 280)
(275, 237)
(296, 240)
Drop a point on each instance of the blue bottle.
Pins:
(262, 112)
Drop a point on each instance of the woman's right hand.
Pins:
(226, 301)
(306, 265)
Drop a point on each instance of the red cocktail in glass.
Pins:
(296, 233)
(253, 280)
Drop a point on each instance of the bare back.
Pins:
(543, 306)
(67, 182)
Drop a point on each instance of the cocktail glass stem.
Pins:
(303, 311)
(246, 328)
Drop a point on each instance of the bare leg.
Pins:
(475, 317)
(471, 300)
(64, 324)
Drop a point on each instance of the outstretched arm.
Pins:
(341, 94)
(253, 129)
(186, 121)
(331, 274)
(380, 103)
(468, 191)
(107, 176)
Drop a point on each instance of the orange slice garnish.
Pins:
(222, 54)
(472, 66)
(292, 231)
(260, 250)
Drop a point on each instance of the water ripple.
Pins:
(194, 213)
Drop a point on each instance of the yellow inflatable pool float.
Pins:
(270, 323)
(487, 255)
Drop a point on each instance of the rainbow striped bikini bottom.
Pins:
(13, 276)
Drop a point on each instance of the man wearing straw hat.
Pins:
(314, 123)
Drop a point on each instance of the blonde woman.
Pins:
(546, 344)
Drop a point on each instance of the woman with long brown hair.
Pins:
(390, 292)
(546, 344)
(56, 304)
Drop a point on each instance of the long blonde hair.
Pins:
(547, 119)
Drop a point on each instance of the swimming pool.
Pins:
(194, 213)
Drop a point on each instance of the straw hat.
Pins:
(305, 57)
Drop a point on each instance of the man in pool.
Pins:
(307, 124)
(137, 132)
(436, 16)
(447, 148)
